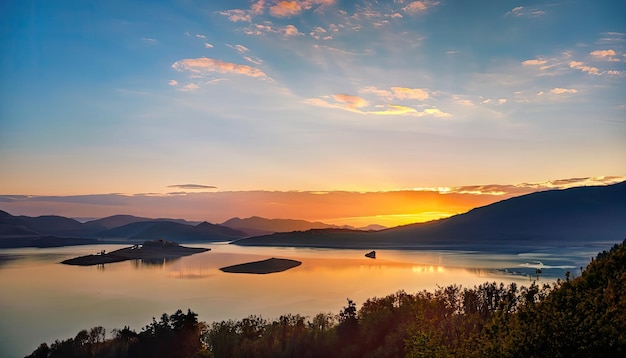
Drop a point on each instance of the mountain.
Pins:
(114, 221)
(53, 225)
(550, 218)
(256, 225)
(24, 231)
(172, 231)
(49, 230)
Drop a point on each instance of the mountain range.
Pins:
(551, 218)
(256, 225)
(51, 230)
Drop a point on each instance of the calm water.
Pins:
(43, 300)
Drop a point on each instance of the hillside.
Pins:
(49, 230)
(550, 218)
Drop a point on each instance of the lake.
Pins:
(43, 300)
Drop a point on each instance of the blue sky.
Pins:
(131, 97)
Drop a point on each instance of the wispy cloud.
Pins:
(559, 90)
(526, 188)
(192, 186)
(208, 45)
(360, 105)
(269, 28)
(205, 64)
(239, 48)
(519, 11)
(410, 93)
(150, 41)
(237, 15)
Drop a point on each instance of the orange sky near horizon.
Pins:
(358, 209)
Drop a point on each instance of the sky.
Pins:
(106, 98)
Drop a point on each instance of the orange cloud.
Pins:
(410, 93)
(536, 62)
(286, 9)
(606, 55)
(352, 102)
(205, 64)
(559, 90)
(581, 66)
(419, 6)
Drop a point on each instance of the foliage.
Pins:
(580, 317)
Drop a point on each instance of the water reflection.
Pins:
(153, 262)
(43, 300)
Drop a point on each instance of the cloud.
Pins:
(172, 83)
(150, 41)
(357, 104)
(255, 60)
(581, 66)
(192, 186)
(319, 33)
(190, 87)
(205, 64)
(201, 36)
(559, 90)
(536, 62)
(522, 11)
(352, 102)
(605, 55)
(417, 7)
(237, 15)
(378, 92)
(286, 9)
(410, 93)
(612, 38)
(526, 188)
(392, 109)
(207, 45)
(397, 93)
(269, 28)
(291, 30)
(239, 48)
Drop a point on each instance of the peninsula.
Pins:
(149, 250)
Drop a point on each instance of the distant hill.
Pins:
(550, 218)
(49, 230)
(182, 233)
(114, 221)
(53, 225)
(256, 225)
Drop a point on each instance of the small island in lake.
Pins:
(149, 250)
(272, 265)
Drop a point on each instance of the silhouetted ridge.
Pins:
(549, 218)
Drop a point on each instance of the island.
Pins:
(149, 250)
(272, 265)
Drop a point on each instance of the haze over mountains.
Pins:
(558, 218)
